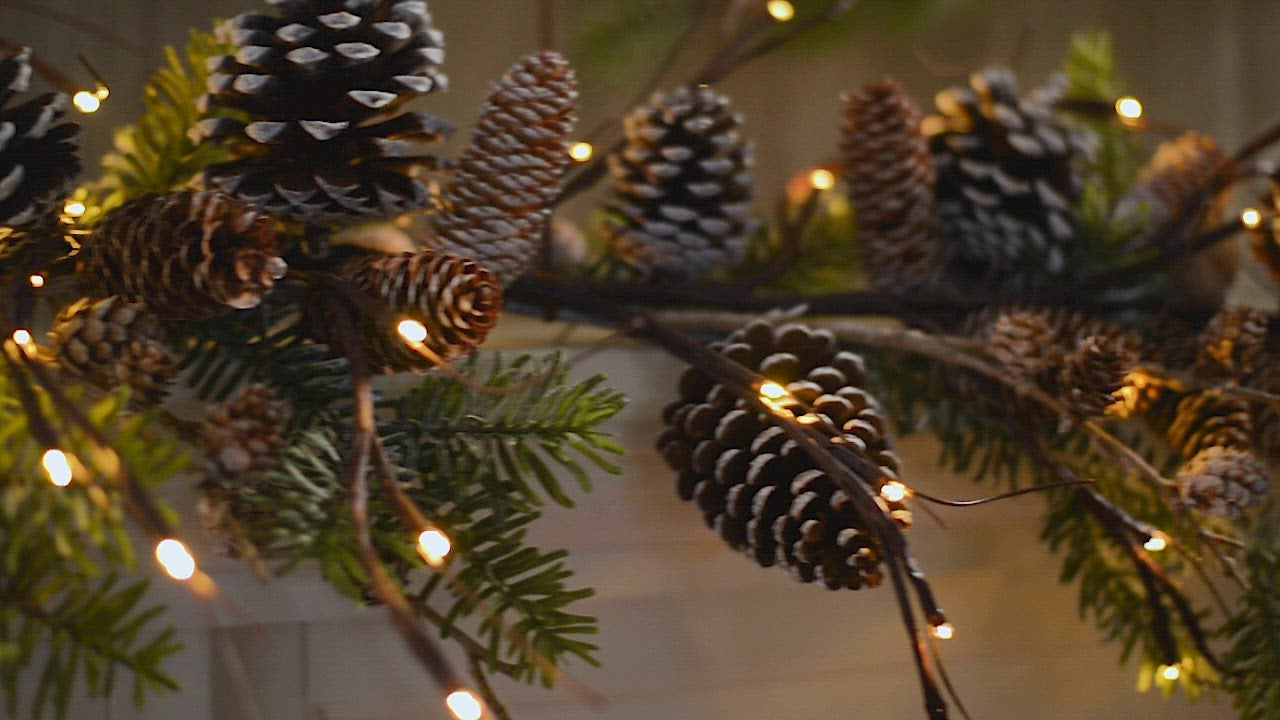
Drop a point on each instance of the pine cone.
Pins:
(1006, 183)
(1208, 418)
(682, 186)
(457, 300)
(190, 255)
(763, 494)
(1024, 343)
(320, 85)
(1264, 240)
(1222, 481)
(242, 436)
(38, 162)
(111, 342)
(1093, 373)
(1232, 343)
(890, 178)
(494, 208)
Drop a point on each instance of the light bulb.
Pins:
(1129, 108)
(944, 631)
(822, 179)
(434, 546)
(102, 92)
(464, 705)
(772, 390)
(412, 331)
(1157, 542)
(581, 151)
(22, 337)
(37, 281)
(55, 463)
(1170, 672)
(893, 491)
(781, 10)
(73, 208)
(176, 560)
(86, 102)
(1250, 218)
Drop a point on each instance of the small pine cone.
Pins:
(1223, 482)
(38, 162)
(759, 490)
(494, 209)
(1093, 373)
(1024, 343)
(682, 186)
(185, 255)
(455, 299)
(243, 435)
(1231, 343)
(1179, 172)
(316, 87)
(111, 342)
(1208, 418)
(890, 178)
(1264, 240)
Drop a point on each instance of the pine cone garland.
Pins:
(242, 436)
(38, 161)
(455, 299)
(113, 342)
(682, 186)
(1223, 482)
(494, 209)
(1093, 373)
(1232, 343)
(1024, 343)
(761, 493)
(1208, 418)
(188, 255)
(1005, 182)
(320, 84)
(890, 177)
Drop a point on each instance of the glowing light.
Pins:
(893, 491)
(944, 631)
(37, 281)
(1129, 108)
(176, 560)
(464, 705)
(412, 331)
(55, 463)
(772, 390)
(1250, 218)
(822, 179)
(86, 102)
(1157, 542)
(73, 208)
(22, 337)
(581, 151)
(781, 10)
(1170, 672)
(434, 546)
(102, 92)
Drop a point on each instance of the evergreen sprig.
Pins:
(1253, 662)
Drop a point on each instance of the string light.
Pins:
(464, 705)
(434, 546)
(86, 102)
(944, 631)
(1129, 108)
(412, 331)
(73, 208)
(893, 491)
(1157, 542)
(1250, 218)
(102, 93)
(56, 464)
(771, 390)
(176, 560)
(781, 10)
(581, 151)
(822, 179)
(22, 337)
(1170, 672)
(37, 281)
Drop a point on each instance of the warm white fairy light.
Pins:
(73, 208)
(176, 560)
(781, 10)
(1250, 218)
(102, 92)
(822, 179)
(893, 491)
(37, 281)
(22, 337)
(771, 390)
(412, 331)
(464, 705)
(1157, 542)
(944, 631)
(86, 102)
(1170, 672)
(1129, 108)
(59, 468)
(434, 546)
(581, 151)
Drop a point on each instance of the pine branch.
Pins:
(1253, 662)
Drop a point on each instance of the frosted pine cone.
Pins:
(112, 342)
(1093, 373)
(243, 435)
(1223, 482)
(38, 161)
(1024, 343)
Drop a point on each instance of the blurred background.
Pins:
(689, 629)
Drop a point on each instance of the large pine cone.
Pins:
(455, 299)
(494, 208)
(1232, 343)
(242, 436)
(1093, 374)
(112, 342)
(1006, 184)
(682, 186)
(38, 162)
(890, 176)
(320, 84)
(185, 255)
(1222, 481)
(1208, 418)
(761, 492)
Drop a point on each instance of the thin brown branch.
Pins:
(78, 22)
(486, 690)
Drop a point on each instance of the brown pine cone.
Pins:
(185, 255)
(1231, 343)
(242, 436)
(1208, 418)
(890, 177)
(760, 491)
(1093, 373)
(1222, 481)
(1264, 240)
(112, 342)
(1024, 343)
(456, 300)
(494, 209)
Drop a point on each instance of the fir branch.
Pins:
(1253, 662)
